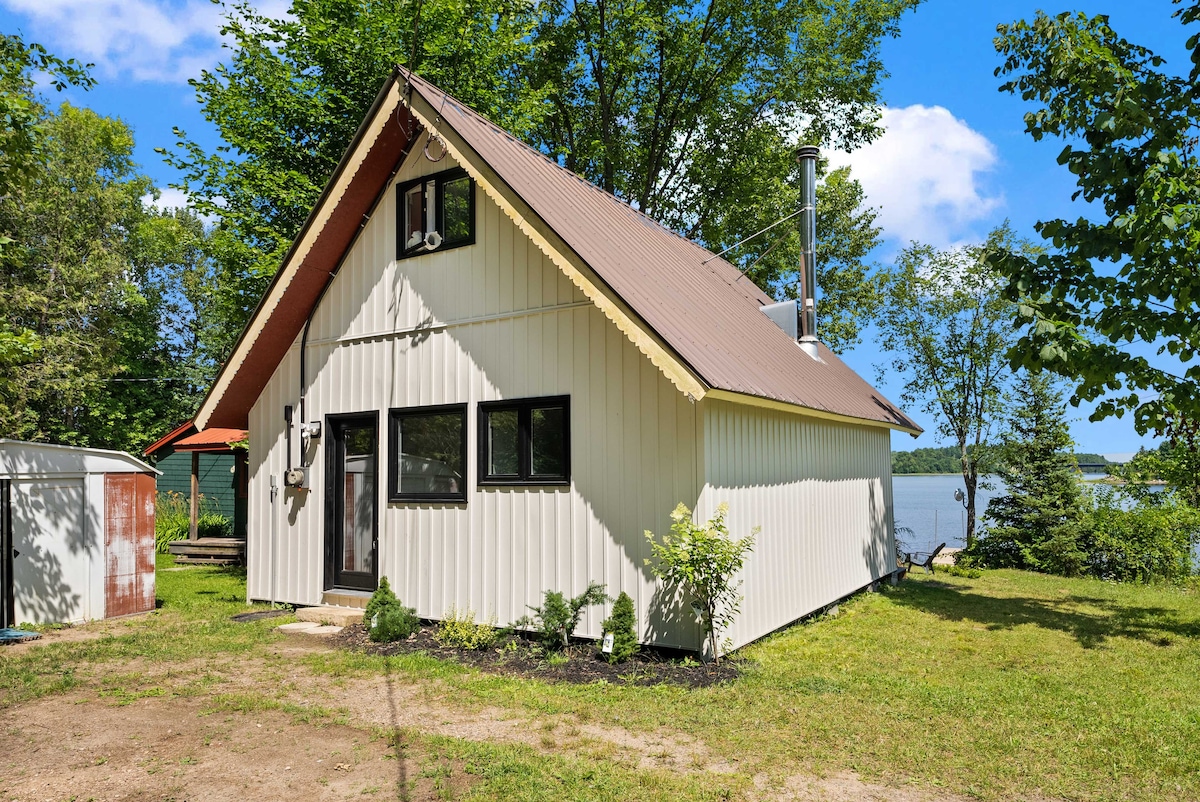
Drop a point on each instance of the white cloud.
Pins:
(164, 41)
(924, 174)
(169, 198)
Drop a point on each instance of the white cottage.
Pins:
(482, 377)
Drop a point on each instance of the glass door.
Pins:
(351, 501)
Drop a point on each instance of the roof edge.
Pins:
(221, 381)
(796, 409)
(105, 452)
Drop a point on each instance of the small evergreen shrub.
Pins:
(459, 630)
(622, 623)
(386, 619)
(558, 616)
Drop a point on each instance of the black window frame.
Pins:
(440, 180)
(524, 408)
(395, 416)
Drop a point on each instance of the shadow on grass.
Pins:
(1091, 628)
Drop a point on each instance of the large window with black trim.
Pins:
(525, 442)
(436, 212)
(428, 448)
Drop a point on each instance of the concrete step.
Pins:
(328, 614)
(346, 598)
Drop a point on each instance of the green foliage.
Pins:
(687, 110)
(1124, 273)
(622, 623)
(703, 561)
(95, 338)
(386, 619)
(172, 520)
(21, 136)
(1148, 539)
(557, 617)
(1037, 524)
(927, 460)
(947, 330)
(458, 629)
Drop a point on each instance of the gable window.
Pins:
(525, 442)
(436, 212)
(428, 447)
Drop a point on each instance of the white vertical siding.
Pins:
(820, 491)
(490, 321)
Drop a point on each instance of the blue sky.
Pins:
(954, 162)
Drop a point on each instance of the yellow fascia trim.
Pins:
(675, 371)
(292, 267)
(808, 412)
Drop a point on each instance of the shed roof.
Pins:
(697, 317)
(22, 459)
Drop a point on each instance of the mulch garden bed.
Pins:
(522, 656)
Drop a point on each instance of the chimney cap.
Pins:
(807, 152)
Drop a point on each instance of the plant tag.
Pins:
(607, 645)
(375, 620)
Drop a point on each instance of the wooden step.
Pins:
(209, 550)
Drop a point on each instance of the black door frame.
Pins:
(7, 586)
(334, 448)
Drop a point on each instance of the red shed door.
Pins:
(128, 543)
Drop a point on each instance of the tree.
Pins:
(1126, 273)
(948, 330)
(85, 279)
(703, 561)
(1038, 524)
(689, 110)
(21, 151)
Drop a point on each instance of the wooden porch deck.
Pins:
(210, 550)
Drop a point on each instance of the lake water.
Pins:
(926, 505)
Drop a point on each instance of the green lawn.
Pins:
(1005, 686)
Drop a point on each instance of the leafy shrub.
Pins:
(386, 618)
(459, 630)
(703, 560)
(964, 571)
(558, 616)
(1151, 539)
(213, 524)
(622, 623)
(173, 518)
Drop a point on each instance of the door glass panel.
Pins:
(358, 495)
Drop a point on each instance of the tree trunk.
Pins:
(971, 480)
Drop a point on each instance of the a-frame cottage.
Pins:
(483, 377)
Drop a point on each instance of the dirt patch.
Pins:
(847, 787)
(520, 656)
(160, 749)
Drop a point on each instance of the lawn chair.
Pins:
(923, 559)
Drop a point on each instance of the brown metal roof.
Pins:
(708, 313)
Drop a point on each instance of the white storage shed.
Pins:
(76, 534)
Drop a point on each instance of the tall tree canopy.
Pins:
(689, 110)
(88, 277)
(1127, 271)
(98, 294)
(947, 330)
